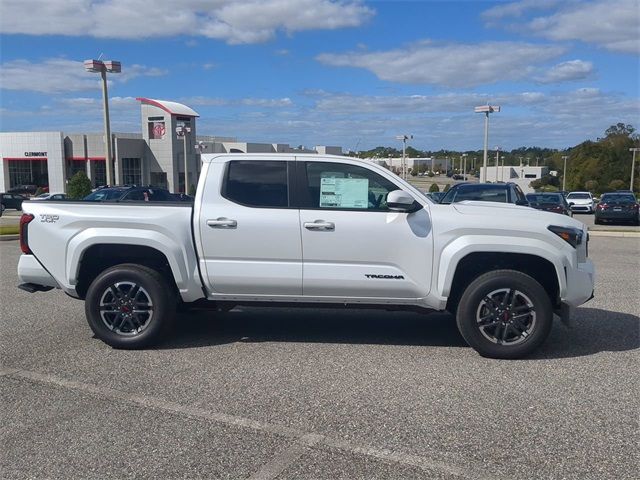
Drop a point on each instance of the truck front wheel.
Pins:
(129, 306)
(504, 314)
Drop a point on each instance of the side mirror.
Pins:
(401, 201)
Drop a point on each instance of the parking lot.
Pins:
(264, 393)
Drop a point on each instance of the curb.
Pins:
(604, 233)
(6, 238)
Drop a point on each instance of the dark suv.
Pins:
(135, 194)
(486, 192)
(11, 200)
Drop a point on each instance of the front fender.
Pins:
(459, 248)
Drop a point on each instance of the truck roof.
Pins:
(211, 157)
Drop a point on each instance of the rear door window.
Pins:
(257, 183)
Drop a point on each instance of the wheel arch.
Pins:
(98, 257)
(474, 264)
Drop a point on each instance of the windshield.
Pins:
(104, 194)
(579, 196)
(484, 193)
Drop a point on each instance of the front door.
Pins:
(250, 234)
(353, 245)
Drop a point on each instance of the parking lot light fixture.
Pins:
(404, 139)
(486, 109)
(633, 165)
(102, 67)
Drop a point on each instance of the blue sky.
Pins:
(337, 72)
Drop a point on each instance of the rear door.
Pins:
(353, 245)
(250, 230)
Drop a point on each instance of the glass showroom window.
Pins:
(131, 171)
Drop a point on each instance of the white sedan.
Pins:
(50, 196)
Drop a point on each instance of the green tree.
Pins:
(192, 189)
(617, 184)
(79, 186)
(39, 191)
(434, 188)
(447, 187)
(591, 185)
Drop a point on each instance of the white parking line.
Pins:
(303, 440)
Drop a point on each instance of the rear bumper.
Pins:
(611, 215)
(31, 272)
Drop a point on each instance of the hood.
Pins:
(508, 214)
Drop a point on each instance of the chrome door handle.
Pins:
(319, 225)
(222, 223)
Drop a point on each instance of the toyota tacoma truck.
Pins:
(312, 231)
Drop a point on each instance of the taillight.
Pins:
(601, 206)
(24, 232)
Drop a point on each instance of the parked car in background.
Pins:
(486, 192)
(617, 207)
(581, 202)
(50, 196)
(11, 200)
(435, 196)
(549, 202)
(24, 189)
(135, 194)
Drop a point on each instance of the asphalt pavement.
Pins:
(312, 394)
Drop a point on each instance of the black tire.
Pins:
(528, 295)
(597, 221)
(152, 321)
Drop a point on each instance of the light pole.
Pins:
(564, 173)
(486, 109)
(182, 132)
(497, 162)
(502, 170)
(102, 67)
(464, 167)
(633, 165)
(404, 139)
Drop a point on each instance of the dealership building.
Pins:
(154, 157)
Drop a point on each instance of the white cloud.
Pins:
(516, 9)
(611, 24)
(235, 22)
(247, 102)
(450, 64)
(59, 75)
(567, 71)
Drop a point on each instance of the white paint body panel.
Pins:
(270, 256)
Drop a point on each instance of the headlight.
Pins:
(572, 236)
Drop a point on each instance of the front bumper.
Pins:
(581, 208)
(580, 284)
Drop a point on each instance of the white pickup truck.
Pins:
(309, 230)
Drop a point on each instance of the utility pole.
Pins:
(497, 162)
(183, 132)
(564, 173)
(633, 165)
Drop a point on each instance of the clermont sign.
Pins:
(35, 154)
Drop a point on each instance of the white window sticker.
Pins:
(343, 192)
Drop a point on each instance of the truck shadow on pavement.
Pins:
(594, 330)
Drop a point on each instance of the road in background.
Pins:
(291, 394)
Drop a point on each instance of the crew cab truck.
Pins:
(309, 230)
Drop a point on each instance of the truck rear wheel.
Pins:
(504, 314)
(130, 306)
